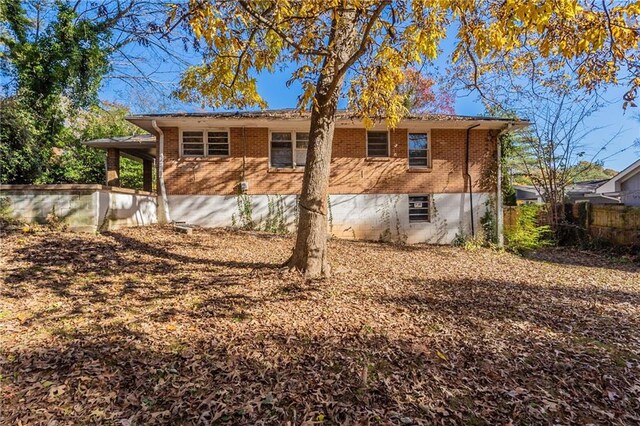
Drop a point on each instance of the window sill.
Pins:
(206, 159)
(419, 170)
(377, 159)
(286, 170)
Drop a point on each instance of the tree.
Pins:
(552, 153)
(54, 56)
(78, 163)
(552, 147)
(422, 96)
(21, 159)
(591, 170)
(363, 48)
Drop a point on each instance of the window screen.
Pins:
(418, 150)
(193, 143)
(377, 144)
(218, 144)
(419, 208)
(281, 149)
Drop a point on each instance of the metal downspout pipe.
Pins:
(469, 181)
(163, 204)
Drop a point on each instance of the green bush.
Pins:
(6, 218)
(526, 234)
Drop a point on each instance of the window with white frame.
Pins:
(205, 143)
(377, 144)
(302, 142)
(289, 149)
(418, 150)
(419, 208)
(281, 149)
(193, 143)
(217, 143)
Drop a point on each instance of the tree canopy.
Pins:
(54, 56)
(596, 40)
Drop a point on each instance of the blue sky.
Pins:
(605, 123)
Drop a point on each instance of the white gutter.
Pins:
(163, 203)
(613, 196)
(499, 200)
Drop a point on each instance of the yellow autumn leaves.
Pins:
(246, 37)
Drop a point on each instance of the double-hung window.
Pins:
(377, 144)
(205, 143)
(289, 149)
(418, 150)
(419, 208)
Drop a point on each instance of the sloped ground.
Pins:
(146, 326)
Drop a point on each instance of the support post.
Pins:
(113, 167)
(499, 200)
(147, 175)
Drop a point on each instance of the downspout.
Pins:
(164, 217)
(244, 152)
(499, 200)
(469, 182)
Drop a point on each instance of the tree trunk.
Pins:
(310, 252)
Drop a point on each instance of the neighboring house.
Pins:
(527, 194)
(409, 183)
(574, 193)
(586, 191)
(625, 186)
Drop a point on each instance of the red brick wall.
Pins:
(351, 172)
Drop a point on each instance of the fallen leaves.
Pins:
(144, 326)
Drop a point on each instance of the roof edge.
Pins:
(297, 114)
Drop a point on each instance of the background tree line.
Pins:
(54, 58)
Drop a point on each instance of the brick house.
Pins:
(422, 181)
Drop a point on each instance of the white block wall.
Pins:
(361, 216)
(83, 209)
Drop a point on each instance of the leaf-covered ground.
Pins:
(147, 326)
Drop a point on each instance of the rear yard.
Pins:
(146, 326)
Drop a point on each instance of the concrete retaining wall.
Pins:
(82, 207)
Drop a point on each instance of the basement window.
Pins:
(419, 208)
(419, 150)
(377, 144)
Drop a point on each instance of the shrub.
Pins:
(525, 234)
(244, 219)
(276, 221)
(6, 218)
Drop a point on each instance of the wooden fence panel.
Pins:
(616, 224)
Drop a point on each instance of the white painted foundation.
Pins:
(361, 216)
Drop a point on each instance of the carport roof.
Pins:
(138, 146)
